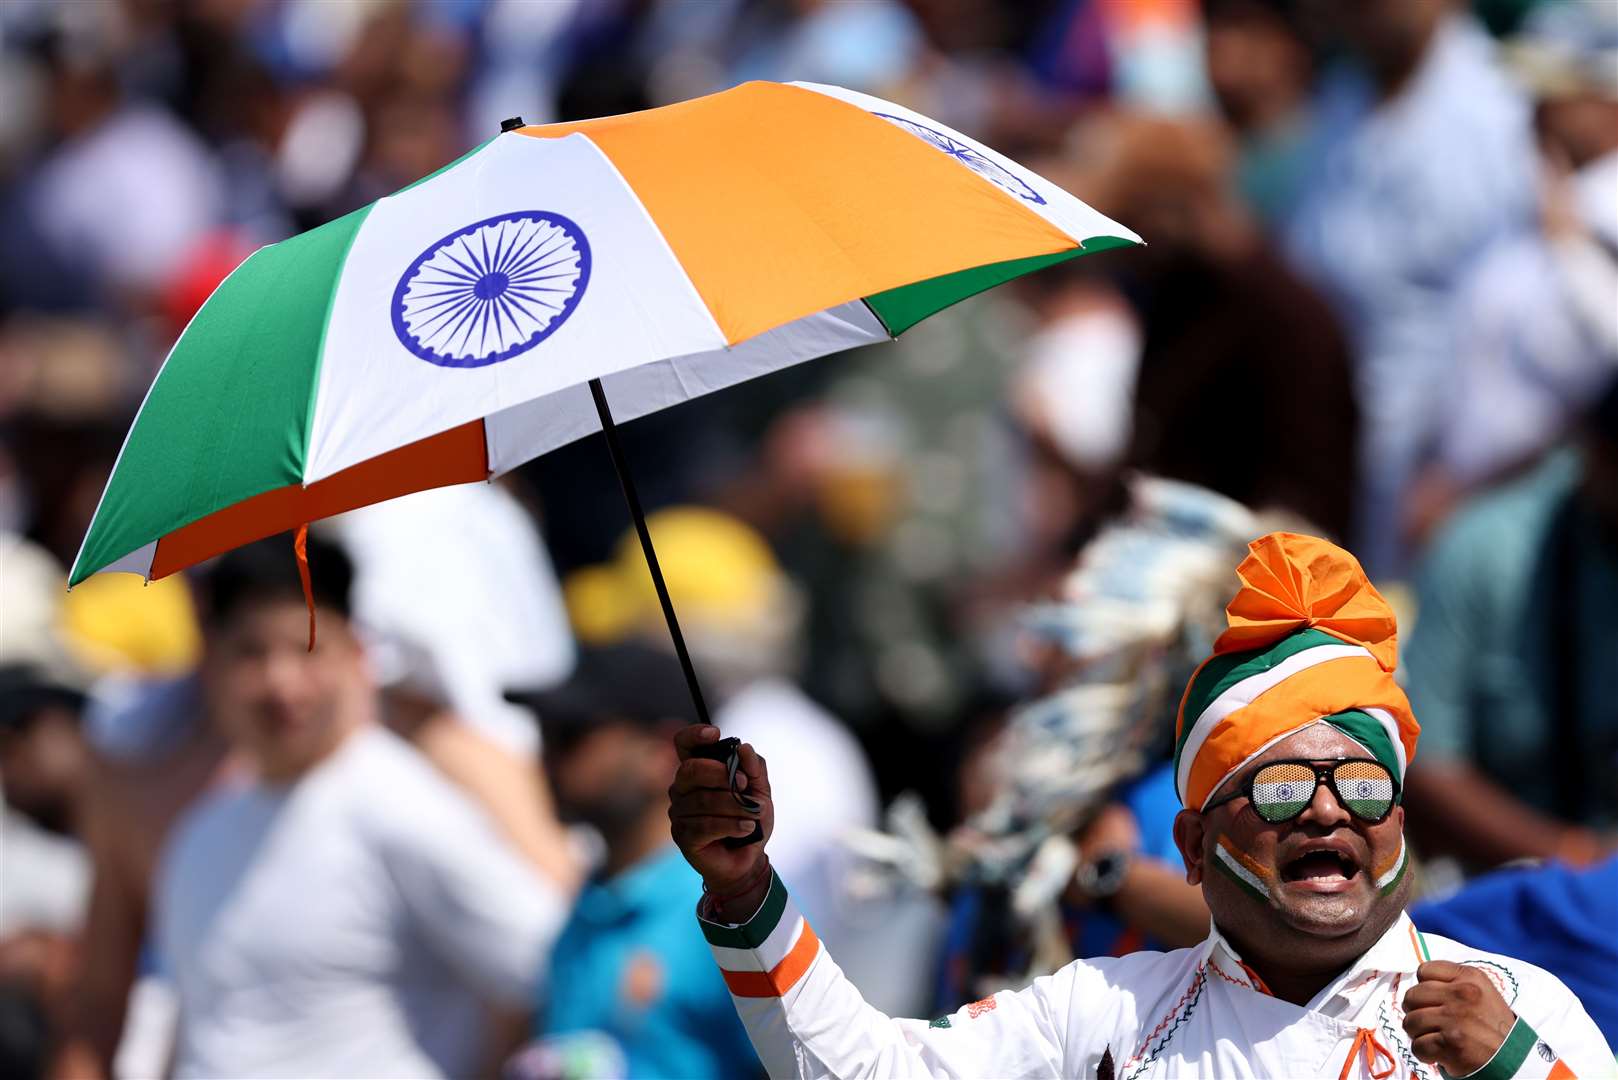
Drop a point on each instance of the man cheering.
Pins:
(1290, 753)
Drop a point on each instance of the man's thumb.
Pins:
(1438, 971)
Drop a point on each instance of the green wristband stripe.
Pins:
(1513, 1052)
(755, 931)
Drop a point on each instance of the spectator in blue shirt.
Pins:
(1510, 666)
(633, 990)
(1423, 156)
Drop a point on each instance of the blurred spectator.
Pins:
(1227, 329)
(1538, 337)
(128, 154)
(1510, 664)
(1552, 916)
(65, 462)
(1075, 394)
(1071, 853)
(743, 622)
(336, 908)
(44, 872)
(44, 771)
(1422, 157)
(1124, 891)
(867, 46)
(445, 636)
(154, 755)
(633, 990)
(1155, 47)
(458, 630)
(55, 799)
(1261, 71)
(34, 583)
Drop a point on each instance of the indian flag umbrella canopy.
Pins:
(448, 333)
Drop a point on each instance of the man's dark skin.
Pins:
(1312, 928)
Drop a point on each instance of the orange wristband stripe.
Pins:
(784, 976)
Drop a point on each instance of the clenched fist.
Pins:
(703, 813)
(1455, 1017)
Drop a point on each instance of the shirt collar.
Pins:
(1400, 950)
(650, 883)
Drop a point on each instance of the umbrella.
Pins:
(490, 312)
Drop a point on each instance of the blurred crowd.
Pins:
(951, 586)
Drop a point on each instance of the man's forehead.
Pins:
(1318, 741)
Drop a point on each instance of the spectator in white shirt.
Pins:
(338, 908)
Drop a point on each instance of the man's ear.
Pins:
(1188, 837)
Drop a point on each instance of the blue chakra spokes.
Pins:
(492, 290)
(972, 159)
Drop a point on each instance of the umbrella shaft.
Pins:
(621, 466)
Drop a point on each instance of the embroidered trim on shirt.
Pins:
(1214, 967)
(1396, 1038)
(1498, 974)
(1179, 1014)
(1249, 980)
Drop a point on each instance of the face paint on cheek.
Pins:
(1388, 874)
(1242, 868)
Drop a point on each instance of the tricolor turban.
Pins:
(1309, 640)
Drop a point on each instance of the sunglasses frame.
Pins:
(1324, 774)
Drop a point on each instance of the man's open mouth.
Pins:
(1323, 864)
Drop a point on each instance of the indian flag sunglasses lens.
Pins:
(1283, 789)
(1365, 787)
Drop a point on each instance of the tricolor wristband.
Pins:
(765, 956)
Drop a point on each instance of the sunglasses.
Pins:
(1281, 790)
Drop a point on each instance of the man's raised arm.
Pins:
(805, 1018)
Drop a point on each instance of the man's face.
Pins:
(1310, 881)
(43, 765)
(607, 774)
(284, 706)
(1258, 69)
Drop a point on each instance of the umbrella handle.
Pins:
(725, 750)
(610, 430)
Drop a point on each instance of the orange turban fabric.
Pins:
(1309, 639)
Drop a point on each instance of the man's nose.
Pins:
(283, 674)
(1324, 809)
